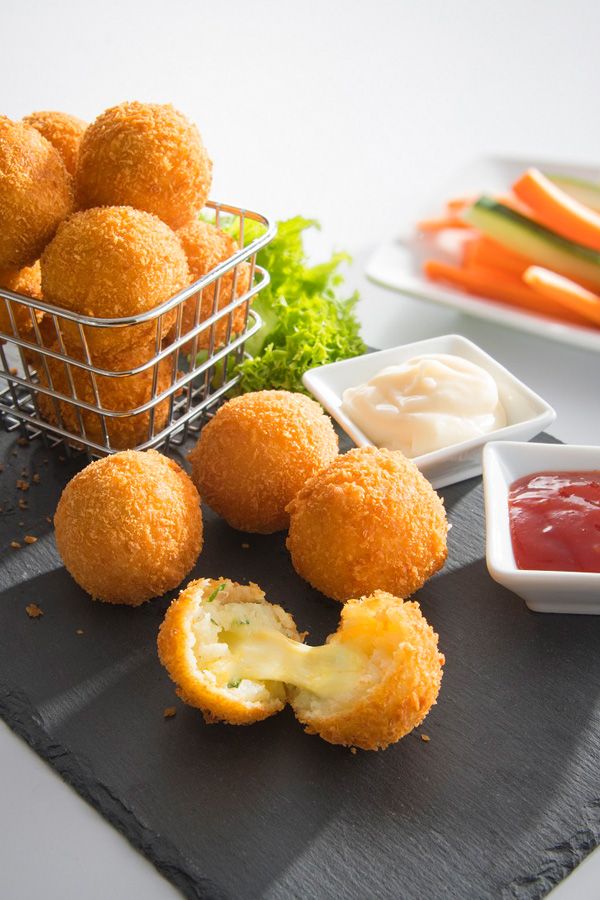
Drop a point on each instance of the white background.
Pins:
(349, 112)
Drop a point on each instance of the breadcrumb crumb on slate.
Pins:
(34, 611)
(257, 452)
(369, 521)
(30, 539)
(169, 712)
(129, 526)
(35, 193)
(145, 155)
(64, 132)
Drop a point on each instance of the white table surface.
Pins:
(345, 111)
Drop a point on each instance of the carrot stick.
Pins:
(430, 226)
(457, 204)
(565, 292)
(557, 210)
(497, 285)
(483, 251)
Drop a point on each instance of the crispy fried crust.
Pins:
(127, 392)
(175, 649)
(257, 452)
(35, 193)
(392, 706)
(145, 155)
(113, 262)
(206, 247)
(129, 527)
(63, 131)
(370, 521)
(25, 281)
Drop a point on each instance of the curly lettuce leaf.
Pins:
(306, 323)
(312, 331)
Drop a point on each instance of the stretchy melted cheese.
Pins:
(427, 403)
(327, 671)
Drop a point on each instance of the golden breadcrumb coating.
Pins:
(188, 646)
(145, 155)
(399, 686)
(35, 193)
(256, 453)
(25, 281)
(112, 262)
(206, 247)
(370, 521)
(129, 526)
(63, 131)
(126, 392)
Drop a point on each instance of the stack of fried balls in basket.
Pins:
(104, 221)
(364, 528)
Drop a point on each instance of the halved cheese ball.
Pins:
(196, 645)
(394, 685)
(238, 658)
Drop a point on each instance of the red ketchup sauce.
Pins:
(555, 521)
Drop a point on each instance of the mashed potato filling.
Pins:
(241, 645)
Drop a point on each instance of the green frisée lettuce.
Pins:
(306, 322)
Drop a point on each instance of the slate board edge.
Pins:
(18, 714)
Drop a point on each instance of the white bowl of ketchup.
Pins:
(542, 514)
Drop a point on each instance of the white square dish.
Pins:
(526, 412)
(398, 263)
(543, 591)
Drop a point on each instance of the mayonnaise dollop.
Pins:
(427, 403)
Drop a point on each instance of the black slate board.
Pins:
(503, 800)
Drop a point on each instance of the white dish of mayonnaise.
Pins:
(438, 401)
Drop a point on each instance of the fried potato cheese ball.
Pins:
(206, 247)
(113, 262)
(35, 193)
(63, 131)
(129, 527)
(145, 155)
(20, 281)
(128, 392)
(370, 521)
(239, 659)
(257, 452)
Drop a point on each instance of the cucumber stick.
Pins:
(586, 192)
(540, 245)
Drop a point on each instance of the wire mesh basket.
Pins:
(51, 383)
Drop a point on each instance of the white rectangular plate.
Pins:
(397, 264)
